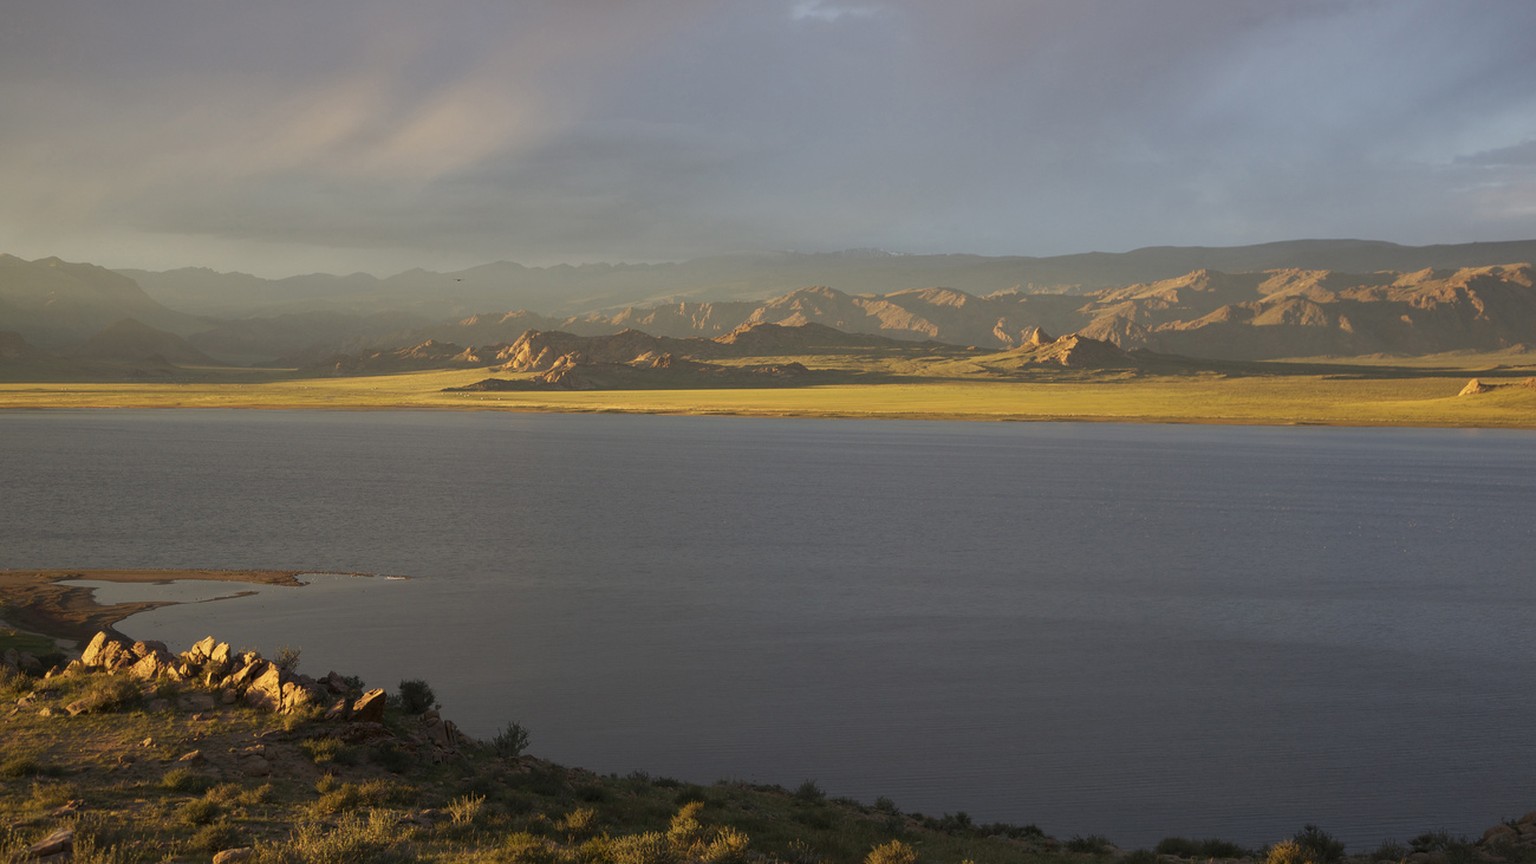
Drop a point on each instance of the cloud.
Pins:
(819, 10)
(374, 132)
(1521, 154)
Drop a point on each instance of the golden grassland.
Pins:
(1347, 392)
(1429, 401)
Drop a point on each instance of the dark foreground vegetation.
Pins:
(134, 754)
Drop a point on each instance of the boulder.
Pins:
(60, 841)
(1500, 835)
(369, 707)
(106, 651)
(237, 855)
(246, 672)
(200, 651)
(266, 690)
(1476, 386)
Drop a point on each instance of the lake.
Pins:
(1129, 630)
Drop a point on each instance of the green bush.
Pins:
(511, 741)
(199, 811)
(108, 693)
(211, 839)
(185, 780)
(416, 697)
(1318, 845)
(1093, 844)
(1436, 841)
(23, 766)
(809, 793)
(287, 658)
(323, 750)
(1183, 847)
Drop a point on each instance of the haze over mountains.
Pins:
(1274, 300)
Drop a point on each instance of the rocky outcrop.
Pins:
(246, 677)
(543, 350)
(1478, 386)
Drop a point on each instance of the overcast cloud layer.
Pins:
(346, 135)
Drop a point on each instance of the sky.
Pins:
(284, 137)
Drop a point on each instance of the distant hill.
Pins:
(565, 290)
(133, 341)
(55, 304)
(1304, 297)
(1311, 312)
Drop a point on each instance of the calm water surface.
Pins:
(1130, 630)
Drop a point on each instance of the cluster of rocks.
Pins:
(1517, 834)
(244, 677)
(247, 678)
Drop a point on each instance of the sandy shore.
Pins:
(35, 601)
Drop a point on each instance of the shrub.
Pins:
(210, 839)
(108, 693)
(956, 823)
(648, 848)
(894, 852)
(1318, 845)
(416, 696)
(1390, 850)
(885, 805)
(729, 846)
(13, 684)
(355, 838)
(809, 793)
(1140, 856)
(391, 757)
(521, 847)
(1286, 852)
(1183, 847)
(22, 766)
(801, 852)
(350, 796)
(287, 658)
(685, 831)
(511, 741)
(184, 780)
(578, 821)
(465, 808)
(1436, 841)
(48, 794)
(199, 811)
(1093, 844)
(322, 750)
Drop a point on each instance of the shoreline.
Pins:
(1419, 400)
(36, 603)
(1511, 424)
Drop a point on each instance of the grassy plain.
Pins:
(1354, 392)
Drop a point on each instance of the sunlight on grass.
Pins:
(1418, 401)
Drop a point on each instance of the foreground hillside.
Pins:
(132, 753)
